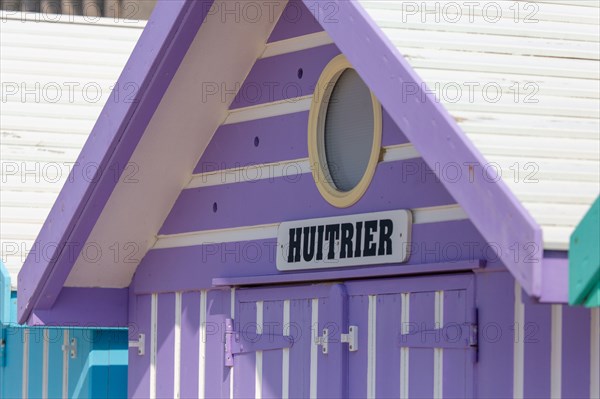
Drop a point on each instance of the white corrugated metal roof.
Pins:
(522, 79)
(56, 77)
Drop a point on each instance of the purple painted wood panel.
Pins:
(357, 361)
(420, 360)
(138, 378)
(190, 343)
(272, 360)
(165, 339)
(280, 138)
(495, 293)
(332, 381)
(537, 342)
(457, 379)
(217, 374)
(85, 307)
(245, 363)
(295, 197)
(576, 352)
(389, 316)
(300, 329)
(296, 20)
(195, 267)
(279, 78)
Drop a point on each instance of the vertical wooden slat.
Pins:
(25, 373)
(556, 352)
(258, 365)
(285, 372)
(519, 344)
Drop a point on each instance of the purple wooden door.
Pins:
(413, 338)
(416, 337)
(303, 370)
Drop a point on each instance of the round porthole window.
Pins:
(344, 134)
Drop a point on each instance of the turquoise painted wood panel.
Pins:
(584, 260)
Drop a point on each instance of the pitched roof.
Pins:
(489, 203)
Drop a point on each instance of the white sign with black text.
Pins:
(353, 240)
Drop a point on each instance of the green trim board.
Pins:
(584, 260)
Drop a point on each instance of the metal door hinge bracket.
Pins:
(71, 347)
(351, 338)
(323, 340)
(140, 344)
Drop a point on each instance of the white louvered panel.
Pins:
(38, 154)
(104, 30)
(64, 55)
(527, 125)
(544, 10)
(31, 184)
(555, 149)
(565, 214)
(447, 22)
(556, 191)
(46, 124)
(79, 110)
(560, 134)
(19, 231)
(530, 170)
(495, 102)
(20, 214)
(42, 139)
(31, 199)
(513, 85)
(501, 63)
(63, 73)
(404, 38)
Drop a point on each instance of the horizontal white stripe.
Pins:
(268, 110)
(290, 169)
(267, 231)
(296, 44)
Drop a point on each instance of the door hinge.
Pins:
(351, 338)
(140, 344)
(323, 341)
(250, 341)
(71, 347)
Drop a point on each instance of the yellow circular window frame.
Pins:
(316, 138)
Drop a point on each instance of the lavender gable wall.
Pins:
(296, 20)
